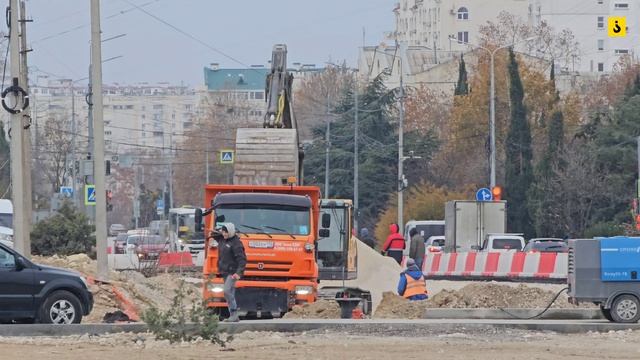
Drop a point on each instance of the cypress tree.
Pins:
(518, 168)
(462, 86)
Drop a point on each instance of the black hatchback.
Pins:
(36, 293)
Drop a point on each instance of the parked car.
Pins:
(547, 245)
(434, 244)
(147, 247)
(501, 243)
(116, 229)
(31, 292)
(120, 243)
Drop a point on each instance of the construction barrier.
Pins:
(514, 266)
(175, 260)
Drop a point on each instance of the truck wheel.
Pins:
(61, 307)
(625, 309)
(606, 313)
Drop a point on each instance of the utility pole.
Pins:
(207, 160)
(327, 147)
(170, 205)
(400, 183)
(98, 145)
(73, 147)
(26, 135)
(20, 233)
(89, 179)
(356, 163)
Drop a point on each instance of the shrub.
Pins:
(67, 232)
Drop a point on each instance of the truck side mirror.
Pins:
(324, 233)
(326, 220)
(198, 219)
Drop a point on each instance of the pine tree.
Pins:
(518, 168)
(462, 86)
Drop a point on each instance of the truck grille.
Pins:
(571, 261)
(275, 266)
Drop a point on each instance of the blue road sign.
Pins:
(160, 204)
(89, 194)
(226, 156)
(66, 191)
(484, 194)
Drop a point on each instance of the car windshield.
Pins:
(122, 237)
(507, 244)
(6, 220)
(438, 242)
(266, 218)
(550, 246)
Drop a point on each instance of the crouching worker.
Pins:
(412, 285)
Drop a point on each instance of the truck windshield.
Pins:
(6, 220)
(270, 219)
(331, 249)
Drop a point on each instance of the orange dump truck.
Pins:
(278, 226)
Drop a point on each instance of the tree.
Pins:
(56, 146)
(148, 201)
(462, 87)
(65, 233)
(518, 168)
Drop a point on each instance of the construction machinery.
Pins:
(183, 234)
(276, 218)
(278, 227)
(337, 255)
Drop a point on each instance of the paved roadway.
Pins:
(377, 326)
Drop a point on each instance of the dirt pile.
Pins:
(476, 295)
(321, 309)
(376, 273)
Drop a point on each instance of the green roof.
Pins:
(235, 79)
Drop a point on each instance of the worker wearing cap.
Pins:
(412, 285)
(231, 264)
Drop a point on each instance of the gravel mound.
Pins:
(321, 309)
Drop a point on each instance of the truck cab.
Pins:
(278, 226)
(502, 243)
(337, 247)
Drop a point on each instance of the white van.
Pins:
(6, 222)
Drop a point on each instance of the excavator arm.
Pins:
(279, 112)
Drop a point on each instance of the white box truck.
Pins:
(468, 222)
(6, 222)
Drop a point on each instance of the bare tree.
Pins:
(55, 150)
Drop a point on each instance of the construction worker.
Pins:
(416, 248)
(412, 285)
(231, 264)
(394, 244)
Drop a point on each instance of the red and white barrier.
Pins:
(541, 267)
(175, 260)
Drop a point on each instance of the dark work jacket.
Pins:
(231, 257)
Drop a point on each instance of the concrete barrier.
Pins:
(123, 261)
(515, 266)
(175, 260)
(514, 313)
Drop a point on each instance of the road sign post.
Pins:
(90, 195)
(226, 157)
(484, 194)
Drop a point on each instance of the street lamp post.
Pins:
(492, 102)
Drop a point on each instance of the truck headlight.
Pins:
(308, 247)
(215, 288)
(303, 290)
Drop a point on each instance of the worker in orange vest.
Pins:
(412, 285)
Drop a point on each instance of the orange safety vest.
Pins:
(414, 287)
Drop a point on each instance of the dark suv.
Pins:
(32, 292)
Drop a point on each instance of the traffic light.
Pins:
(109, 198)
(496, 191)
(107, 167)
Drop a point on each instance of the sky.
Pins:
(233, 33)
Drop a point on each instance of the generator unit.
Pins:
(605, 271)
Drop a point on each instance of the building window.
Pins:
(600, 1)
(600, 44)
(621, 51)
(463, 37)
(621, 6)
(463, 13)
(157, 107)
(187, 125)
(257, 95)
(600, 67)
(600, 22)
(107, 133)
(129, 107)
(188, 107)
(158, 133)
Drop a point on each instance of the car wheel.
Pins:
(606, 313)
(61, 307)
(625, 309)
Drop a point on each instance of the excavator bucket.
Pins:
(266, 156)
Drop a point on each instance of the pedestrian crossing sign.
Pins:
(226, 157)
(90, 195)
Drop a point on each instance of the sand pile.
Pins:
(476, 295)
(376, 273)
(321, 309)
